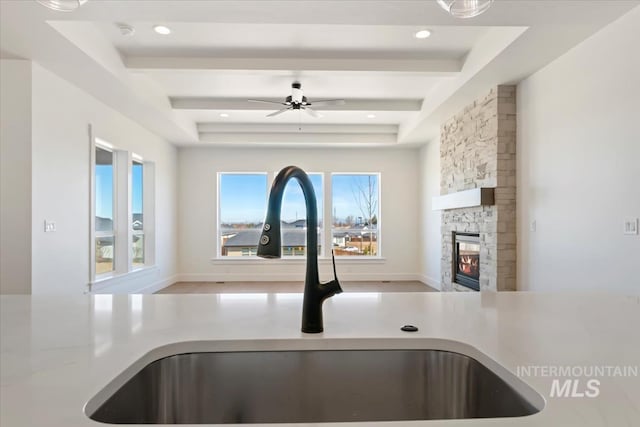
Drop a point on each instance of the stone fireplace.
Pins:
(478, 151)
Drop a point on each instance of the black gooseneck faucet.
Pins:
(269, 246)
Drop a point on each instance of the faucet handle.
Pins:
(333, 261)
(334, 285)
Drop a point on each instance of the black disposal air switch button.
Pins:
(409, 328)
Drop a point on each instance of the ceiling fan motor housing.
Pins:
(296, 93)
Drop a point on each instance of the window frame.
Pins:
(136, 159)
(95, 235)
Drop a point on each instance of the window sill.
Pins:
(297, 260)
(106, 282)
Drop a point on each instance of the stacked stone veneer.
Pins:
(478, 149)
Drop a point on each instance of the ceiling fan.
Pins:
(297, 101)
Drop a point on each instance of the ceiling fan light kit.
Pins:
(297, 101)
(465, 8)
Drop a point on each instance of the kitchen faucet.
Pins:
(270, 247)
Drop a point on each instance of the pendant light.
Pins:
(465, 8)
(62, 5)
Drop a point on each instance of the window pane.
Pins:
(136, 196)
(137, 219)
(104, 190)
(243, 204)
(105, 252)
(355, 214)
(294, 214)
(137, 250)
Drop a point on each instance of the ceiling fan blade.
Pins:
(311, 112)
(262, 101)
(324, 102)
(275, 113)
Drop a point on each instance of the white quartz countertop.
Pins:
(57, 353)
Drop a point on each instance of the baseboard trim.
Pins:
(430, 281)
(137, 284)
(158, 286)
(295, 277)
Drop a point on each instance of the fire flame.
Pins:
(469, 265)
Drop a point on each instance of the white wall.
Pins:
(430, 221)
(579, 166)
(15, 177)
(60, 186)
(198, 212)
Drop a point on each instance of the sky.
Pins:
(104, 190)
(243, 197)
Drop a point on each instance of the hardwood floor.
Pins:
(289, 287)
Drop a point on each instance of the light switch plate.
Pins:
(631, 226)
(49, 226)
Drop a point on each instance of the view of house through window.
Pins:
(355, 207)
(104, 220)
(242, 199)
(242, 202)
(137, 223)
(294, 214)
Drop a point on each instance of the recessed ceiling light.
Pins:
(371, 116)
(224, 115)
(161, 29)
(423, 34)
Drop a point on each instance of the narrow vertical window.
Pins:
(355, 225)
(104, 209)
(294, 214)
(242, 201)
(137, 215)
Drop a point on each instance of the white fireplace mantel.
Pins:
(482, 196)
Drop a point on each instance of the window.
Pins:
(137, 218)
(355, 204)
(294, 214)
(104, 212)
(122, 213)
(242, 201)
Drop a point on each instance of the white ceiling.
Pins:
(221, 53)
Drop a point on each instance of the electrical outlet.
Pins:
(631, 226)
(49, 226)
(533, 226)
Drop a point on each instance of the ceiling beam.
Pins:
(215, 62)
(297, 128)
(303, 138)
(351, 104)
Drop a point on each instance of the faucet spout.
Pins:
(269, 246)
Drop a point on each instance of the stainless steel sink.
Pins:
(310, 387)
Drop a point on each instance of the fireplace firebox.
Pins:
(466, 260)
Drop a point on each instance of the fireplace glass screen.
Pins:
(467, 260)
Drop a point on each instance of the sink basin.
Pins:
(313, 386)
